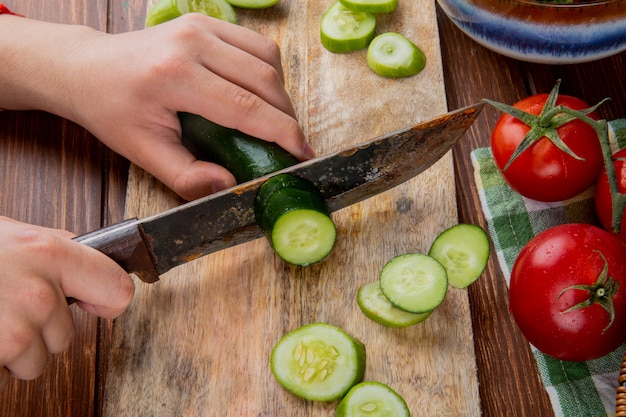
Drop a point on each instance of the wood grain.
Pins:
(198, 342)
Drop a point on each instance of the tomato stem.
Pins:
(618, 199)
(601, 292)
(546, 124)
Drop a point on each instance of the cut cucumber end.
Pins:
(303, 237)
(392, 55)
(376, 306)
(371, 6)
(414, 282)
(165, 10)
(343, 30)
(318, 362)
(372, 399)
(463, 250)
(161, 12)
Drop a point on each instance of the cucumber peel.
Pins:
(253, 4)
(372, 399)
(371, 6)
(463, 250)
(375, 305)
(318, 362)
(392, 55)
(344, 30)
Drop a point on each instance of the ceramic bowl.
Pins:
(542, 31)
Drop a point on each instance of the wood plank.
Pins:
(51, 175)
(198, 342)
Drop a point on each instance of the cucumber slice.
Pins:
(463, 250)
(344, 30)
(253, 4)
(371, 6)
(377, 307)
(318, 362)
(373, 399)
(165, 10)
(299, 226)
(414, 282)
(392, 55)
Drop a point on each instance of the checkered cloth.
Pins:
(583, 389)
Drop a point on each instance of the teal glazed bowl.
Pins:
(543, 31)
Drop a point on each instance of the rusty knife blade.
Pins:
(152, 246)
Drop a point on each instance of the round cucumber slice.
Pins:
(165, 10)
(318, 362)
(303, 237)
(463, 250)
(414, 282)
(392, 55)
(372, 399)
(371, 6)
(344, 30)
(253, 4)
(377, 307)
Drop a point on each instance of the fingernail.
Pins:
(308, 151)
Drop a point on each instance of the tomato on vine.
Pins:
(543, 153)
(608, 202)
(568, 292)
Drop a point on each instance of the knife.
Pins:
(152, 246)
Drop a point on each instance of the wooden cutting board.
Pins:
(198, 342)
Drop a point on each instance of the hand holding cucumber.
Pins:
(126, 88)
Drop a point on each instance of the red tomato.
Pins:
(543, 172)
(546, 304)
(603, 195)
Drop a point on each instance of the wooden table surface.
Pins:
(54, 173)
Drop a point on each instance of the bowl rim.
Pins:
(577, 4)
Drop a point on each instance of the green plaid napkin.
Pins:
(583, 389)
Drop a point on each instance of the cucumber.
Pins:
(377, 307)
(165, 10)
(463, 250)
(253, 4)
(414, 282)
(345, 30)
(373, 399)
(392, 55)
(290, 211)
(276, 183)
(245, 156)
(299, 226)
(371, 6)
(318, 362)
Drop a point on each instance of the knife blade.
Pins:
(152, 246)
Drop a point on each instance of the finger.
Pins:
(32, 355)
(247, 40)
(100, 284)
(5, 377)
(81, 272)
(232, 106)
(189, 177)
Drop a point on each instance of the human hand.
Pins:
(40, 268)
(127, 89)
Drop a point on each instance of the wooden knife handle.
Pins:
(124, 243)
